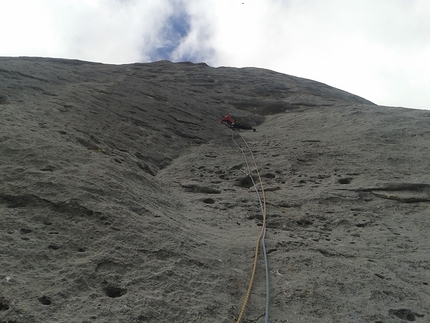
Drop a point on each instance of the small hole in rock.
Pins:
(25, 230)
(114, 292)
(259, 216)
(344, 181)
(45, 300)
(404, 314)
(3, 99)
(304, 222)
(209, 201)
(4, 306)
(245, 182)
(270, 175)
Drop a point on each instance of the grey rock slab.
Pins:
(123, 199)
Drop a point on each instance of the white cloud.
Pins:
(24, 27)
(110, 31)
(369, 48)
(198, 44)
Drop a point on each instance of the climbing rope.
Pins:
(261, 236)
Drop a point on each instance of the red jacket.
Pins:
(228, 119)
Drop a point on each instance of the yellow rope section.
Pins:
(263, 228)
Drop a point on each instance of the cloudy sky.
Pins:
(378, 49)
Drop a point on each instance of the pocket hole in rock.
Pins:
(45, 300)
(345, 181)
(114, 292)
(245, 182)
(269, 175)
(4, 306)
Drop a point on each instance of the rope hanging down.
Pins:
(261, 236)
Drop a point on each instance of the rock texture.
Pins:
(123, 199)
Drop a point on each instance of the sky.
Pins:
(377, 49)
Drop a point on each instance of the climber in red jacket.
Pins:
(231, 123)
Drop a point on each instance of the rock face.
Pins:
(123, 198)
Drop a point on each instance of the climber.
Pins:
(231, 123)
